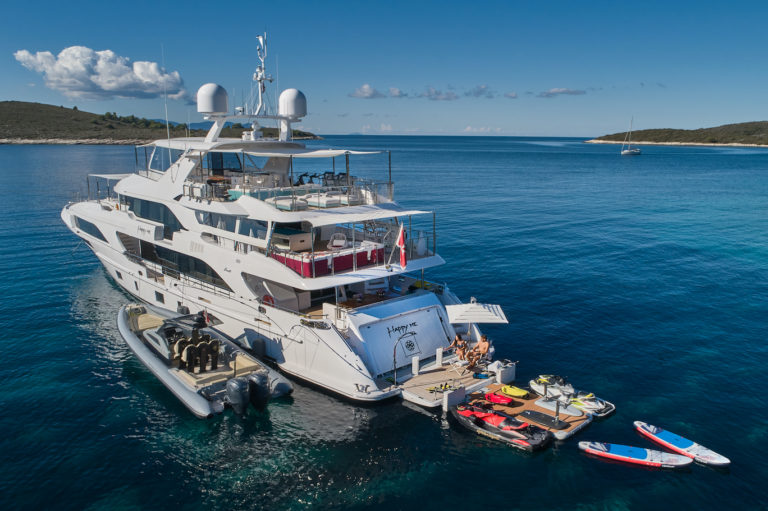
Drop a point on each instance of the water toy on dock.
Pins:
(500, 399)
(554, 386)
(512, 391)
(635, 455)
(682, 445)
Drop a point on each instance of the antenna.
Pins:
(261, 76)
(165, 99)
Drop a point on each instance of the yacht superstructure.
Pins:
(324, 275)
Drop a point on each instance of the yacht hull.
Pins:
(320, 357)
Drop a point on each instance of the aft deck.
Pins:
(424, 388)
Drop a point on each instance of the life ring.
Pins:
(268, 299)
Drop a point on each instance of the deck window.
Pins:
(153, 211)
(89, 228)
(217, 220)
(253, 228)
(159, 297)
(219, 162)
(182, 263)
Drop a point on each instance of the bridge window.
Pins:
(162, 158)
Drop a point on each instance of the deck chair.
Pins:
(337, 242)
(486, 358)
(459, 366)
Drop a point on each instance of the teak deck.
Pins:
(575, 424)
(415, 388)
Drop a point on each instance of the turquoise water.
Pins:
(643, 279)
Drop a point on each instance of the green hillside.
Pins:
(742, 133)
(36, 121)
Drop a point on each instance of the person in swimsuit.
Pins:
(476, 353)
(460, 345)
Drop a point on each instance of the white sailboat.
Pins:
(629, 151)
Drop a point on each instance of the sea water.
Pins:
(642, 279)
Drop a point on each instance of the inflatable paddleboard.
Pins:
(636, 455)
(682, 445)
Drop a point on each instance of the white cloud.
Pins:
(394, 92)
(480, 91)
(366, 92)
(510, 95)
(551, 93)
(385, 127)
(80, 72)
(435, 95)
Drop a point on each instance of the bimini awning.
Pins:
(357, 214)
(110, 177)
(331, 216)
(475, 313)
(259, 148)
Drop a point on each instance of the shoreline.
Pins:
(71, 141)
(93, 141)
(734, 144)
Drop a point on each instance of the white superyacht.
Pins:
(323, 274)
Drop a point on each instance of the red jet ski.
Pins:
(500, 426)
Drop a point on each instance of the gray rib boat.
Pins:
(203, 367)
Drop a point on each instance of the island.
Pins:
(747, 134)
(37, 123)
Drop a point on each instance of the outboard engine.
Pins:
(238, 394)
(258, 386)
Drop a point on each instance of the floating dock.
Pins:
(519, 405)
(428, 386)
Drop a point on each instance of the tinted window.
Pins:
(226, 222)
(219, 162)
(185, 264)
(153, 211)
(253, 228)
(89, 228)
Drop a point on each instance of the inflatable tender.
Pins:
(200, 365)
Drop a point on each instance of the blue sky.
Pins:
(493, 68)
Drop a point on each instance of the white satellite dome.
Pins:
(212, 99)
(292, 104)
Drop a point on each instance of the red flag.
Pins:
(401, 243)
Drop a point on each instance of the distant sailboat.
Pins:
(629, 151)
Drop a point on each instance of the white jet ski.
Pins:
(554, 386)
